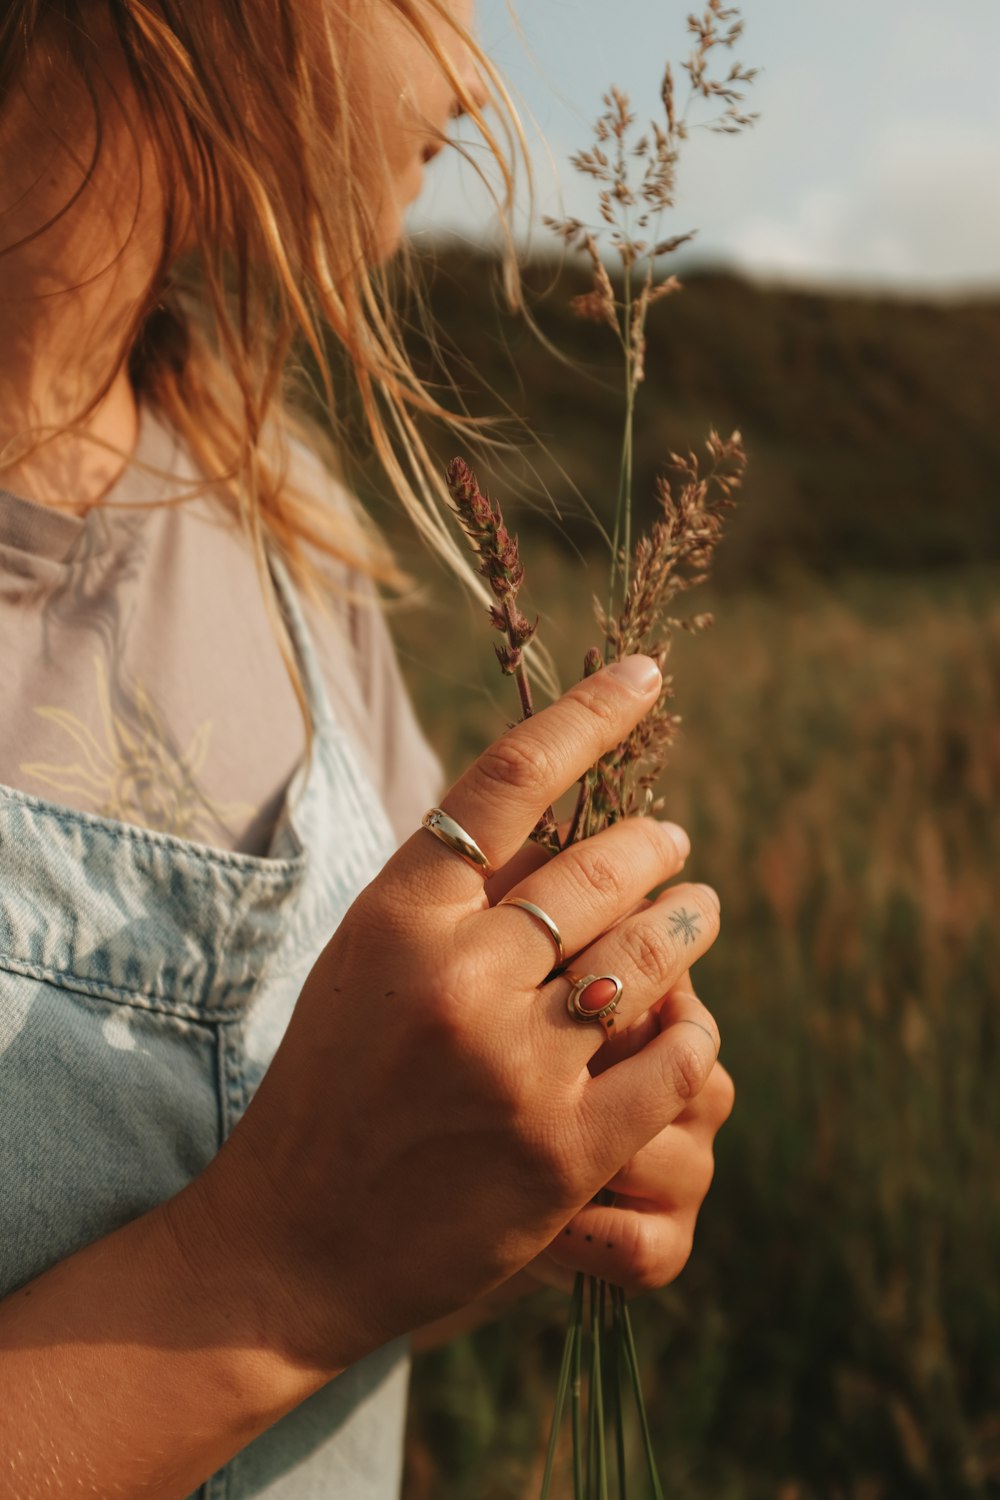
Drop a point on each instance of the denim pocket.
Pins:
(106, 1109)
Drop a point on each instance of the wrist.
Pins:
(242, 1291)
(485, 1309)
(142, 1363)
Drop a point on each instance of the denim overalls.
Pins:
(145, 982)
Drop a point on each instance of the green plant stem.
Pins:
(560, 1406)
(597, 1468)
(590, 1471)
(576, 1315)
(616, 1387)
(633, 1368)
(602, 1457)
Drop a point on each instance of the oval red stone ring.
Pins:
(594, 997)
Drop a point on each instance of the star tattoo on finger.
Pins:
(684, 924)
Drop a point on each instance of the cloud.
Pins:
(874, 164)
(924, 212)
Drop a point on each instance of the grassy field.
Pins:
(836, 1335)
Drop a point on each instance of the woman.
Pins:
(286, 1079)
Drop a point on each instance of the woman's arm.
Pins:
(142, 1363)
(389, 1169)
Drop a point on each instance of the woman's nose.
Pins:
(475, 85)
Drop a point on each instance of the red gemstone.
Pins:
(598, 994)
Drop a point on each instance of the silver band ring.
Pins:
(544, 918)
(605, 1004)
(445, 828)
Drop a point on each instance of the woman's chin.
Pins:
(386, 244)
(389, 229)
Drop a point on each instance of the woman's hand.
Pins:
(429, 1122)
(643, 1239)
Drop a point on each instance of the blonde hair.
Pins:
(280, 221)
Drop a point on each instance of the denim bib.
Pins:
(145, 983)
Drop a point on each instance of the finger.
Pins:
(674, 1169)
(637, 1247)
(626, 1041)
(704, 1117)
(632, 1038)
(501, 797)
(673, 1005)
(626, 1106)
(706, 1114)
(529, 857)
(647, 953)
(588, 888)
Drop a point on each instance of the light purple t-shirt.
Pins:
(142, 678)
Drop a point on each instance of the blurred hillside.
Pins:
(870, 424)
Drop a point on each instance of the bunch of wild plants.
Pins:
(636, 184)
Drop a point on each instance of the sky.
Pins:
(875, 163)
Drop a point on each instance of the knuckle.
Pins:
(686, 1067)
(650, 951)
(514, 763)
(594, 700)
(597, 874)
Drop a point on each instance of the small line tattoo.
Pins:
(684, 924)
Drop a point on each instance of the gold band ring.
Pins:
(544, 918)
(603, 1004)
(454, 835)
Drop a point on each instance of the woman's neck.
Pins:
(75, 470)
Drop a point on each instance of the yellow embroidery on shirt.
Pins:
(136, 778)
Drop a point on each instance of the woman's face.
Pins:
(407, 98)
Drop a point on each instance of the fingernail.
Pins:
(712, 896)
(680, 838)
(640, 673)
